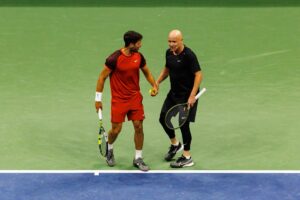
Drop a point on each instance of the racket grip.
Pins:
(200, 93)
(100, 114)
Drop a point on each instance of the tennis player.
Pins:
(185, 74)
(123, 68)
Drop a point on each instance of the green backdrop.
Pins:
(51, 57)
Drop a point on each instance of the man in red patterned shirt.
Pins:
(123, 67)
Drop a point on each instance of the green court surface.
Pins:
(50, 59)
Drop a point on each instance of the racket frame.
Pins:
(102, 136)
(202, 91)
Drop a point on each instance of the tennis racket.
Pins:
(102, 136)
(178, 114)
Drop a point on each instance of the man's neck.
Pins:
(126, 51)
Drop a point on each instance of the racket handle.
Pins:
(200, 93)
(100, 114)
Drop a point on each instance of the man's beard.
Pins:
(134, 50)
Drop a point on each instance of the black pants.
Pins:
(169, 102)
(185, 132)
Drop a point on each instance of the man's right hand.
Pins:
(98, 105)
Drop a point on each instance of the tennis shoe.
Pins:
(172, 151)
(182, 161)
(110, 159)
(139, 163)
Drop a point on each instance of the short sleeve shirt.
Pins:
(124, 78)
(182, 69)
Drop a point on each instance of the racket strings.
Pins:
(183, 114)
(102, 141)
(177, 116)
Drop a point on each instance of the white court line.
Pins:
(97, 172)
(258, 55)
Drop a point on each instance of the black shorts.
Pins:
(172, 100)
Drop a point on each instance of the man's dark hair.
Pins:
(132, 37)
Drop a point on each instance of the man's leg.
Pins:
(112, 136)
(114, 132)
(175, 144)
(139, 141)
(138, 134)
(169, 132)
(185, 160)
(187, 139)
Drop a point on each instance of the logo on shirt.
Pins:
(135, 61)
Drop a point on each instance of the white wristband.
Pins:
(98, 96)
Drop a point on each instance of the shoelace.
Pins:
(141, 162)
(109, 154)
(172, 148)
(181, 158)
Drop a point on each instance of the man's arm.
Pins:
(150, 79)
(99, 88)
(197, 82)
(163, 75)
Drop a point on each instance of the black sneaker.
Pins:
(139, 163)
(182, 162)
(172, 151)
(110, 159)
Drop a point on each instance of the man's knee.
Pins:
(138, 126)
(116, 129)
(162, 118)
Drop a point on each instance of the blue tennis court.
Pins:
(207, 186)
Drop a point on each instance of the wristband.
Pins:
(98, 96)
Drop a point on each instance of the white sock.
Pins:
(110, 146)
(138, 154)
